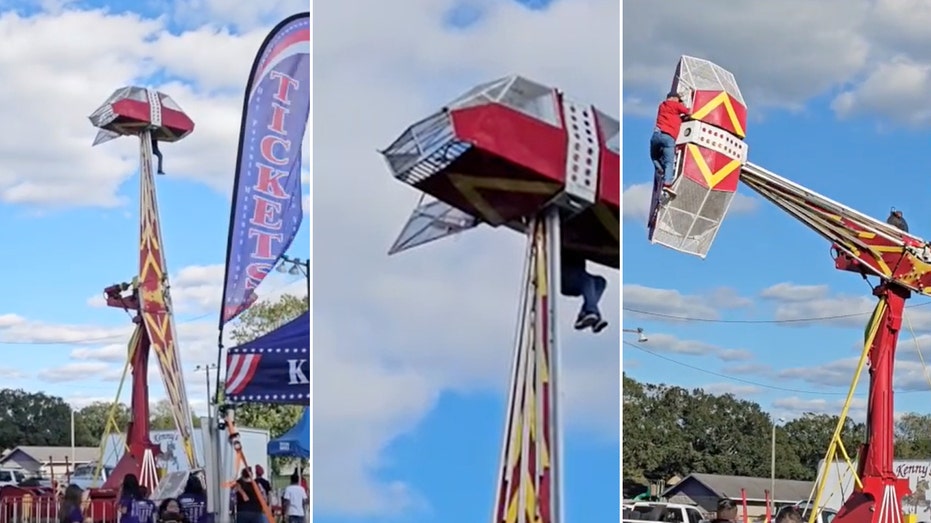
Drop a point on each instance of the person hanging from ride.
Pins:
(669, 117)
(896, 219)
(577, 281)
(157, 153)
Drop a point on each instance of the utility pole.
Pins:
(206, 370)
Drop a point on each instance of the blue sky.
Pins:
(412, 352)
(71, 211)
(848, 120)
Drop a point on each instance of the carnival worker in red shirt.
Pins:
(669, 118)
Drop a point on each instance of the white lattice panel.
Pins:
(714, 138)
(697, 74)
(584, 150)
(690, 222)
(155, 107)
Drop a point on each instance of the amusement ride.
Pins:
(711, 157)
(150, 117)
(526, 156)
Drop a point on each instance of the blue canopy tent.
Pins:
(274, 368)
(295, 443)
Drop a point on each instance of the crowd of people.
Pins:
(250, 502)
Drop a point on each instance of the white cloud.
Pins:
(794, 407)
(806, 305)
(115, 352)
(740, 391)
(873, 61)
(785, 54)
(790, 292)
(671, 344)
(74, 372)
(440, 318)
(671, 302)
(243, 15)
(9, 373)
(65, 84)
(636, 202)
(896, 90)
(910, 374)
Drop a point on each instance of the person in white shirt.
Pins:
(293, 500)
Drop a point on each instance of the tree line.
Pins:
(40, 419)
(672, 431)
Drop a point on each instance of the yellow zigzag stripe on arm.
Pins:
(714, 103)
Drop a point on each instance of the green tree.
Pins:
(33, 418)
(266, 316)
(638, 446)
(811, 434)
(674, 431)
(913, 436)
(726, 434)
(161, 417)
(91, 421)
(260, 319)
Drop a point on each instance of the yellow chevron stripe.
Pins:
(714, 103)
(711, 178)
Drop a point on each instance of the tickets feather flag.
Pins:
(266, 208)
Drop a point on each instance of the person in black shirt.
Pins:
(248, 500)
(896, 219)
(264, 485)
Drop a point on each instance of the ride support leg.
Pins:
(529, 481)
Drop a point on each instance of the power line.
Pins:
(758, 322)
(746, 381)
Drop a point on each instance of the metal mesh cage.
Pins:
(690, 222)
(611, 130)
(424, 149)
(695, 74)
(516, 92)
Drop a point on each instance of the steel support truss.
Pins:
(530, 482)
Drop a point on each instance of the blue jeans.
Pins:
(249, 517)
(576, 281)
(663, 154)
(295, 519)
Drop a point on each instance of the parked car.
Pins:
(83, 475)
(642, 511)
(11, 477)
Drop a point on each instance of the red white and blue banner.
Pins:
(274, 368)
(266, 208)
